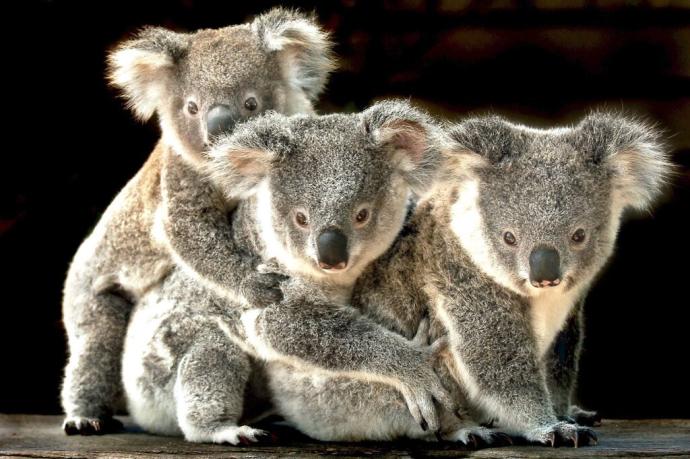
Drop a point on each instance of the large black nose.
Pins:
(219, 119)
(544, 267)
(332, 249)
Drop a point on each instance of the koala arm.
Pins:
(337, 340)
(494, 357)
(198, 232)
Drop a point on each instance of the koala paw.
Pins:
(585, 417)
(563, 434)
(239, 434)
(420, 385)
(478, 437)
(262, 289)
(78, 425)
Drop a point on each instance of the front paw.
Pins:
(563, 434)
(79, 425)
(585, 417)
(262, 289)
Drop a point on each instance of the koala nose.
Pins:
(219, 119)
(332, 249)
(544, 267)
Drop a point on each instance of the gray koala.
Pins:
(325, 197)
(199, 85)
(500, 255)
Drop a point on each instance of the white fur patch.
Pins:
(549, 309)
(153, 412)
(466, 223)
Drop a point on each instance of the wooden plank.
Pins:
(41, 437)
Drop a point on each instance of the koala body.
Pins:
(199, 85)
(500, 255)
(325, 197)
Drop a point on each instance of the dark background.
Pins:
(69, 146)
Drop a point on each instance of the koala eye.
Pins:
(301, 220)
(509, 238)
(362, 216)
(251, 104)
(578, 236)
(192, 108)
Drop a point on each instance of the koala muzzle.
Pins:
(332, 250)
(220, 119)
(544, 267)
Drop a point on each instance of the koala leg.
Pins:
(96, 326)
(562, 364)
(209, 395)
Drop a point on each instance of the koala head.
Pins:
(539, 210)
(200, 84)
(331, 191)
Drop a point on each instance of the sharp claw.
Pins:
(551, 439)
(575, 439)
(438, 436)
(424, 425)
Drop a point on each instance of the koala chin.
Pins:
(500, 255)
(171, 215)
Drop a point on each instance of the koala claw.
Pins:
(564, 434)
(476, 437)
(77, 425)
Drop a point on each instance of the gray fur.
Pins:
(328, 167)
(170, 213)
(452, 262)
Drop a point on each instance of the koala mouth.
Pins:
(337, 268)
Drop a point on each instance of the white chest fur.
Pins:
(549, 312)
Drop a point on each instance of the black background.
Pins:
(69, 146)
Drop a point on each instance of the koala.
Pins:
(170, 214)
(500, 256)
(325, 196)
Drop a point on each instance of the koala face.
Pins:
(542, 208)
(201, 84)
(332, 191)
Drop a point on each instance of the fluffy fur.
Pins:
(170, 214)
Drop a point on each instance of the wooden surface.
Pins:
(40, 436)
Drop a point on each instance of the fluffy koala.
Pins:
(199, 85)
(326, 196)
(500, 255)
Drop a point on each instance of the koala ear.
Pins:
(633, 152)
(304, 49)
(143, 67)
(239, 162)
(412, 139)
(491, 138)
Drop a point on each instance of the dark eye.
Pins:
(250, 104)
(578, 236)
(301, 219)
(509, 238)
(192, 108)
(362, 216)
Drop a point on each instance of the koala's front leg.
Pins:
(495, 359)
(200, 237)
(562, 363)
(96, 325)
(339, 341)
